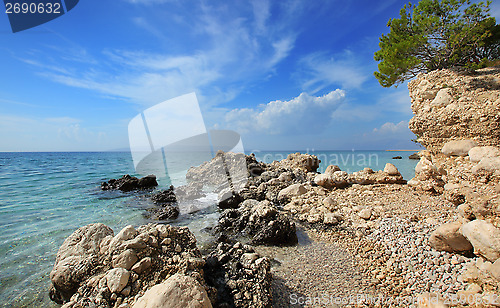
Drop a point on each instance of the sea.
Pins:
(44, 197)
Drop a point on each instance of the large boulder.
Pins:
(177, 291)
(390, 169)
(448, 238)
(484, 237)
(76, 259)
(458, 147)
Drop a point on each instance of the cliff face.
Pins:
(452, 105)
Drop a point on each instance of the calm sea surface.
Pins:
(44, 197)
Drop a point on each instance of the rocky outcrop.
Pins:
(129, 183)
(96, 268)
(453, 105)
(335, 178)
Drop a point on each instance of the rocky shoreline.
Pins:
(288, 236)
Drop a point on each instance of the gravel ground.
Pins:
(388, 257)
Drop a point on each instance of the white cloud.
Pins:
(224, 49)
(391, 128)
(321, 70)
(303, 114)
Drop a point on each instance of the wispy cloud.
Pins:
(226, 50)
(303, 114)
(321, 70)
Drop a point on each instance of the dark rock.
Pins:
(167, 212)
(259, 220)
(397, 157)
(165, 196)
(414, 156)
(242, 278)
(129, 183)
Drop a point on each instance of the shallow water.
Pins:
(44, 197)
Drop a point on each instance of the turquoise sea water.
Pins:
(44, 197)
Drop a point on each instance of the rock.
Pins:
(458, 147)
(75, 260)
(324, 180)
(484, 237)
(476, 154)
(397, 157)
(443, 98)
(448, 238)
(261, 221)
(129, 183)
(142, 265)
(332, 169)
(125, 259)
(304, 162)
(177, 291)
(117, 279)
(165, 196)
(233, 269)
(91, 280)
(430, 300)
(291, 191)
(365, 213)
(490, 164)
(414, 156)
(229, 199)
(390, 169)
(495, 270)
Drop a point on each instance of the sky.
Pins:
(286, 75)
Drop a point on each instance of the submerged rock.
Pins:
(129, 183)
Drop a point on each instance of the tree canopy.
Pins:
(436, 34)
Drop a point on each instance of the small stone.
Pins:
(166, 241)
(142, 265)
(117, 279)
(178, 248)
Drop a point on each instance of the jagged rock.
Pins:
(166, 196)
(458, 147)
(129, 183)
(484, 237)
(177, 291)
(448, 238)
(476, 154)
(261, 221)
(76, 259)
(304, 162)
(242, 278)
(152, 252)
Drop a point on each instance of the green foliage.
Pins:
(434, 35)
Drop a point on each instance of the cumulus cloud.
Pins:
(302, 114)
(392, 128)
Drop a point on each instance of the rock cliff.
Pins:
(453, 104)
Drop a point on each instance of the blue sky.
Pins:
(286, 75)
